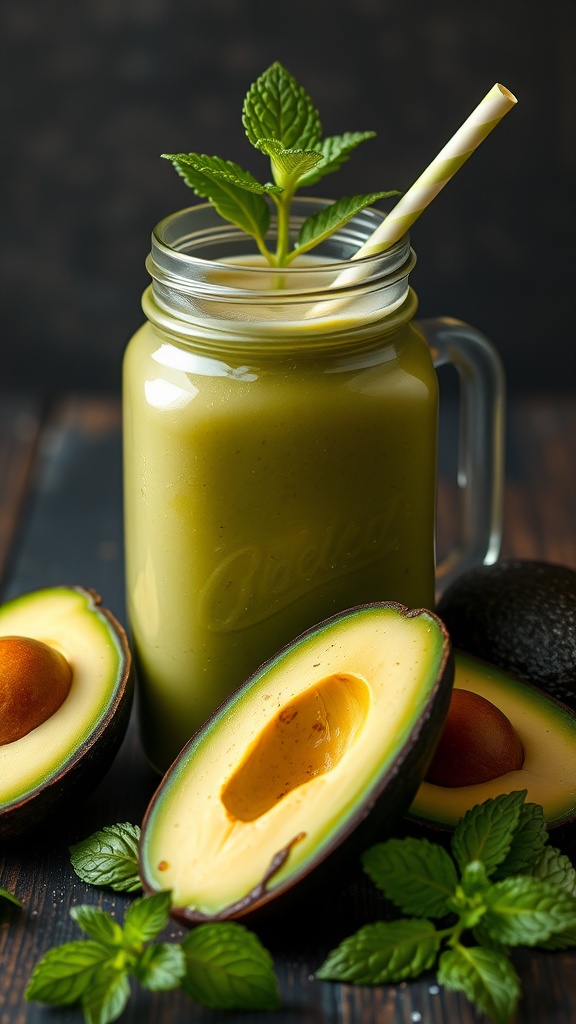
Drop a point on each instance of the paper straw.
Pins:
(477, 126)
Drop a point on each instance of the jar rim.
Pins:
(197, 281)
(180, 239)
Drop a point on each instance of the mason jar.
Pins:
(280, 454)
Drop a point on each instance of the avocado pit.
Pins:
(306, 738)
(546, 730)
(35, 680)
(478, 743)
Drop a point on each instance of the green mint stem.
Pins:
(265, 251)
(283, 204)
(454, 933)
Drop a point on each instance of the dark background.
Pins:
(92, 91)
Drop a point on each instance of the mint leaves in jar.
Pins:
(281, 122)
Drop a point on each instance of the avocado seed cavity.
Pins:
(35, 680)
(306, 738)
(478, 743)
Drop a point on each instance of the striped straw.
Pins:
(476, 127)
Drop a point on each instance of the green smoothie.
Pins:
(265, 491)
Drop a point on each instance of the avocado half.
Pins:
(68, 753)
(325, 744)
(547, 731)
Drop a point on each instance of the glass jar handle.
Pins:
(480, 476)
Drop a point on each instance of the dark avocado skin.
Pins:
(519, 615)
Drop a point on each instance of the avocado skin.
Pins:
(519, 615)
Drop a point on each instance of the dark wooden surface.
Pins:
(60, 522)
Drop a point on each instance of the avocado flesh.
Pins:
(293, 758)
(547, 731)
(67, 619)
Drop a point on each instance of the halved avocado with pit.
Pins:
(69, 751)
(321, 749)
(546, 730)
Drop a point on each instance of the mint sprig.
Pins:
(502, 885)
(223, 965)
(282, 123)
(96, 972)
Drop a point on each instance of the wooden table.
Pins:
(60, 522)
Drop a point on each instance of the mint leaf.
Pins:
(383, 952)
(418, 876)
(288, 165)
(277, 107)
(565, 939)
(109, 858)
(63, 975)
(200, 170)
(237, 196)
(324, 223)
(529, 839)
(107, 996)
(335, 150)
(161, 967)
(526, 911)
(98, 924)
(556, 868)
(485, 976)
(227, 190)
(486, 831)
(4, 894)
(146, 918)
(227, 968)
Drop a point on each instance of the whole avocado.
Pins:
(521, 616)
